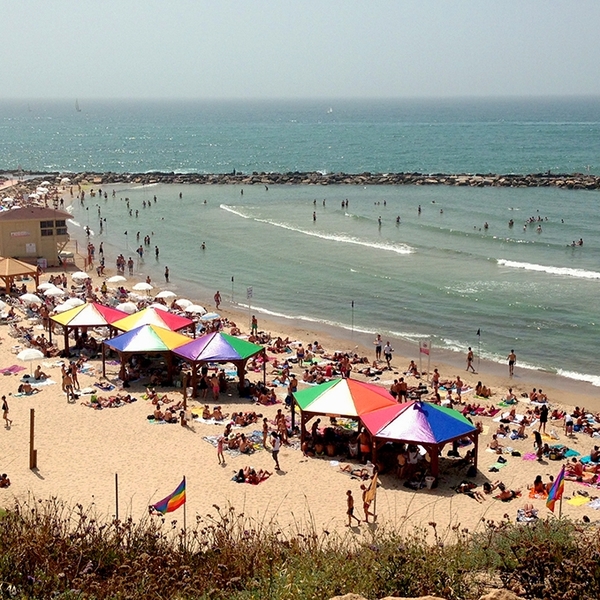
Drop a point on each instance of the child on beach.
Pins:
(220, 455)
(350, 510)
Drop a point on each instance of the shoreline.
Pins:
(573, 181)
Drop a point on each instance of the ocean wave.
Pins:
(232, 210)
(391, 247)
(593, 379)
(564, 271)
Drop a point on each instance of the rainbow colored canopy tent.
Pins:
(152, 316)
(90, 314)
(423, 423)
(219, 348)
(343, 398)
(147, 339)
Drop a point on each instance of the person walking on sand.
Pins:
(5, 412)
(254, 327)
(378, 345)
(350, 510)
(387, 353)
(512, 359)
(543, 418)
(470, 360)
(276, 445)
(220, 456)
(217, 299)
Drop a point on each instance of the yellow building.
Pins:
(34, 234)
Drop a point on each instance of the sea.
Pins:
(439, 265)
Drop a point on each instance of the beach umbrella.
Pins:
(166, 294)
(65, 180)
(127, 307)
(42, 190)
(147, 338)
(72, 302)
(116, 279)
(45, 286)
(80, 275)
(3, 305)
(143, 287)
(210, 317)
(29, 355)
(30, 299)
(183, 302)
(345, 398)
(54, 292)
(46, 183)
(61, 308)
(218, 347)
(196, 309)
(158, 306)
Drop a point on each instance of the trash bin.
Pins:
(429, 481)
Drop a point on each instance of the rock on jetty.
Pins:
(572, 181)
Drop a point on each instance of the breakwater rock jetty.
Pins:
(580, 181)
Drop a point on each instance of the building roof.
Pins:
(33, 213)
(11, 267)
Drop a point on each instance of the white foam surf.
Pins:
(561, 271)
(389, 247)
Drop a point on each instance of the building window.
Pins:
(46, 224)
(61, 230)
(61, 223)
(47, 232)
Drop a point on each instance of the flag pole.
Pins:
(420, 357)
(429, 362)
(184, 508)
(116, 496)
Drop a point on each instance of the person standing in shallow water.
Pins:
(512, 359)
(167, 274)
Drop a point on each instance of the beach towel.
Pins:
(12, 369)
(537, 495)
(578, 501)
(35, 383)
(530, 456)
(497, 466)
(595, 504)
(107, 387)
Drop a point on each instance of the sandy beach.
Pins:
(80, 449)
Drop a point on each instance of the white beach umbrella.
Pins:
(158, 306)
(29, 355)
(46, 183)
(42, 190)
(166, 294)
(116, 279)
(65, 180)
(54, 292)
(73, 302)
(45, 286)
(142, 286)
(196, 309)
(127, 307)
(60, 308)
(30, 299)
(3, 305)
(183, 302)
(210, 317)
(80, 275)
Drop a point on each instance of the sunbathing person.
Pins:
(217, 415)
(245, 447)
(507, 495)
(206, 414)
(158, 414)
(577, 471)
(361, 473)
(4, 481)
(495, 445)
(39, 375)
(482, 390)
(488, 487)
(538, 489)
(27, 389)
(468, 488)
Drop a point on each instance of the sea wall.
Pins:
(561, 180)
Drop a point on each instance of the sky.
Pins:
(255, 49)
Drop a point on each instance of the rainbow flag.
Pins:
(557, 490)
(172, 501)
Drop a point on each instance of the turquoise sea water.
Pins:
(438, 274)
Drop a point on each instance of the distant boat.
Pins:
(329, 110)
(77, 106)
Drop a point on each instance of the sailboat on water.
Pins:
(77, 106)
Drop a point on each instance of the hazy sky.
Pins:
(298, 49)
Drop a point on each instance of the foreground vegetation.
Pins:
(48, 550)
